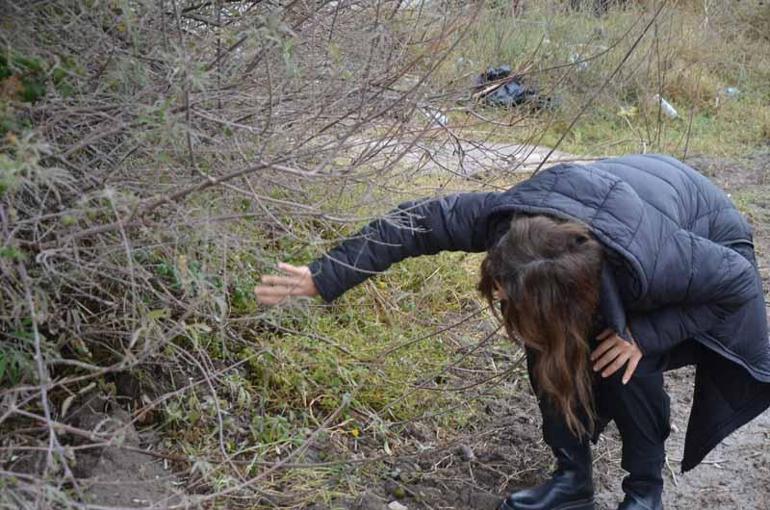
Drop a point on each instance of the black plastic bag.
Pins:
(497, 87)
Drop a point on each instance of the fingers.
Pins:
(271, 295)
(280, 280)
(296, 281)
(278, 290)
(616, 364)
(606, 344)
(270, 300)
(631, 367)
(608, 357)
(295, 270)
(613, 353)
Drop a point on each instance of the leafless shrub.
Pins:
(163, 138)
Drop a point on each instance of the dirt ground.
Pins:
(509, 454)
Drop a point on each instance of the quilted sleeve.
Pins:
(421, 227)
(697, 284)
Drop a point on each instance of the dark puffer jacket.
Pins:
(680, 262)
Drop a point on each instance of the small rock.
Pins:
(395, 505)
(390, 486)
(467, 452)
(370, 501)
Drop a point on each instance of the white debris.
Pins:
(726, 93)
(435, 115)
(577, 60)
(668, 110)
(395, 505)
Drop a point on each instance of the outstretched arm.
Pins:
(422, 227)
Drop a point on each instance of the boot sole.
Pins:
(583, 504)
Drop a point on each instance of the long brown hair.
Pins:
(548, 272)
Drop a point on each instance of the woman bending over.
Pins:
(608, 274)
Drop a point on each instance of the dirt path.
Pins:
(468, 158)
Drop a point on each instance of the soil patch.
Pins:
(117, 474)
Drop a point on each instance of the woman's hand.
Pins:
(614, 352)
(276, 288)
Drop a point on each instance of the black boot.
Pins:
(571, 487)
(643, 493)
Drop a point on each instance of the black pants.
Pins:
(640, 409)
